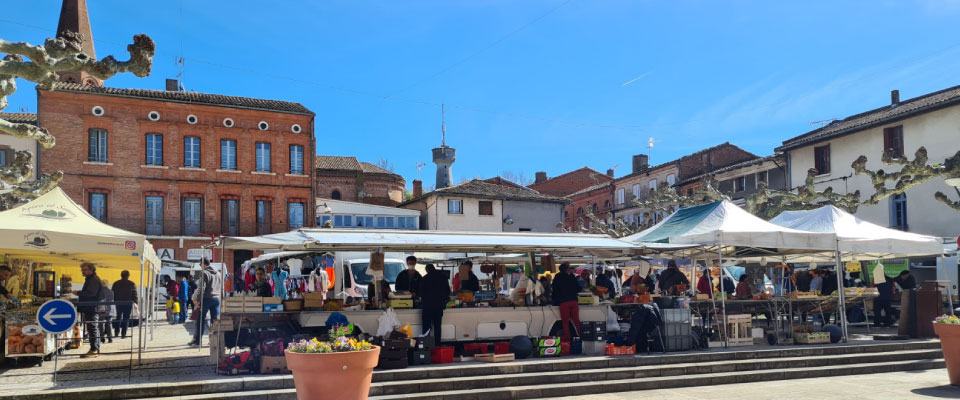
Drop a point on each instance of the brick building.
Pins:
(742, 179)
(568, 183)
(177, 166)
(598, 198)
(346, 178)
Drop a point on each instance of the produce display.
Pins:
(19, 342)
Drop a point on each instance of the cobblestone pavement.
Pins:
(166, 358)
(929, 384)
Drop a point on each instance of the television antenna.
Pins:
(420, 165)
(650, 143)
(823, 122)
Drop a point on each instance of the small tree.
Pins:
(62, 54)
(911, 173)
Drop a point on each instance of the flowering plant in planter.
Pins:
(347, 361)
(948, 329)
(947, 319)
(339, 342)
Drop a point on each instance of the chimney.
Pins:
(417, 188)
(894, 98)
(610, 172)
(541, 177)
(640, 162)
(173, 85)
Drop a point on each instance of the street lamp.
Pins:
(324, 209)
(508, 220)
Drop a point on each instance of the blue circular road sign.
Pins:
(57, 316)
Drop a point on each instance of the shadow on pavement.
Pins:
(941, 392)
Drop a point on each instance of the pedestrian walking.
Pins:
(124, 293)
(107, 313)
(565, 293)
(211, 284)
(91, 294)
(183, 298)
(434, 293)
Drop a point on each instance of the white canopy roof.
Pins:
(859, 237)
(439, 241)
(54, 229)
(723, 223)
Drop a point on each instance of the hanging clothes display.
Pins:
(295, 266)
(279, 281)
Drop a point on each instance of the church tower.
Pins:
(74, 18)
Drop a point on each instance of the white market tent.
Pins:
(722, 224)
(437, 241)
(53, 229)
(857, 237)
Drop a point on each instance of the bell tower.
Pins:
(75, 19)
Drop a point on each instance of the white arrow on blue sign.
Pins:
(57, 316)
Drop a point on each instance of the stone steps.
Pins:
(536, 377)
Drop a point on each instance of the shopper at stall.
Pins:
(828, 283)
(409, 280)
(729, 286)
(744, 291)
(547, 297)
(5, 272)
(125, 293)
(434, 295)
(565, 293)
(606, 280)
(211, 284)
(671, 277)
(816, 282)
(260, 286)
(905, 281)
(705, 284)
(881, 304)
(88, 296)
(801, 280)
(107, 314)
(183, 297)
(472, 283)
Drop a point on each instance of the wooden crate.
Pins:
(494, 358)
(738, 330)
(811, 338)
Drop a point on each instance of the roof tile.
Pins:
(190, 97)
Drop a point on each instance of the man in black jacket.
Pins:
(89, 295)
(434, 295)
(671, 277)
(124, 290)
(565, 292)
(409, 280)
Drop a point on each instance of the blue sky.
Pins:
(534, 85)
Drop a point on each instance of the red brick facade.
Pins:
(710, 159)
(598, 198)
(127, 180)
(569, 182)
(345, 178)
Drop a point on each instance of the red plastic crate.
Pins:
(441, 355)
(565, 348)
(472, 349)
(501, 347)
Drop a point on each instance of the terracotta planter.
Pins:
(950, 344)
(333, 376)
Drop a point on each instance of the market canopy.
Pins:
(723, 223)
(438, 241)
(54, 229)
(859, 237)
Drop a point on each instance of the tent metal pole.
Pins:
(841, 306)
(141, 320)
(723, 296)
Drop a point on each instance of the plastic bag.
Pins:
(406, 330)
(176, 307)
(387, 322)
(612, 324)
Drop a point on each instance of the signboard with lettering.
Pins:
(165, 254)
(197, 254)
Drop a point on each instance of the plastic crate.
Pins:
(676, 315)
(472, 349)
(441, 355)
(501, 348)
(681, 329)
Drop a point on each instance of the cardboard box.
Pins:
(273, 365)
(401, 303)
(312, 303)
(313, 296)
(271, 300)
